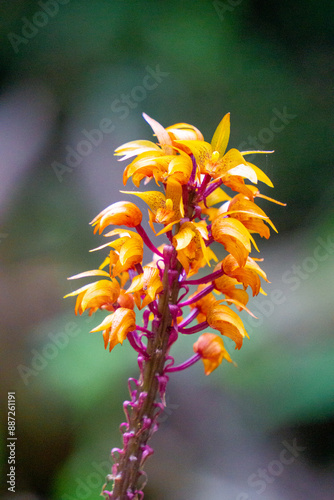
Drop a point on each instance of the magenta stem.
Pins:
(189, 318)
(144, 330)
(194, 329)
(136, 344)
(206, 180)
(141, 231)
(205, 279)
(211, 188)
(197, 296)
(191, 361)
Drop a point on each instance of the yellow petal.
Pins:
(106, 323)
(258, 195)
(201, 150)
(184, 131)
(202, 228)
(244, 171)
(184, 236)
(121, 213)
(261, 175)
(94, 272)
(161, 133)
(99, 293)
(256, 152)
(240, 305)
(174, 193)
(135, 148)
(168, 227)
(212, 351)
(124, 233)
(230, 160)
(245, 209)
(234, 236)
(217, 196)
(78, 291)
(116, 326)
(225, 320)
(154, 199)
(221, 136)
(131, 253)
(180, 168)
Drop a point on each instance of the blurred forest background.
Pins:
(71, 67)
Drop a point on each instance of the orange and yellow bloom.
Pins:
(212, 351)
(193, 174)
(116, 326)
(205, 194)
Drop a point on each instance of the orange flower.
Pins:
(129, 248)
(126, 300)
(234, 236)
(227, 285)
(163, 161)
(191, 249)
(152, 159)
(164, 209)
(159, 166)
(102, 294)
(252, 217)
(122, 213)
(116, 326)
(248, 275)
(225, 320)
(213, 159)
(212, 351)
(184, 131)
(148, 283)
(203, 304)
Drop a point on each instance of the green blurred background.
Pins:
(66, 68)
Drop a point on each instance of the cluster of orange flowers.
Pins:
(194, 212)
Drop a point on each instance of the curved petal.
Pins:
(184, 131)
(135, 148)
(180, 168)
(94, 272)
(201, 150)
(234, 236)
(260, 174)
(161, 133)
(221, 136)
(121, 213)
(225, 320)
(245, 171)
(154, 199)
(184, 236)
(212, 351)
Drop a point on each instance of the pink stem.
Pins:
(141, 231)
(191, 361)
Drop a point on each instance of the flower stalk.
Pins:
(191, 173)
